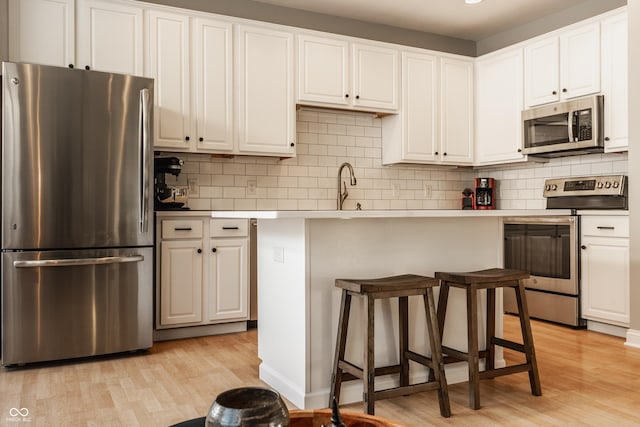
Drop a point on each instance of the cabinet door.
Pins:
(615, 86)
(499, 104)
(542, 72)
(110, 37)
(213, 78)
(169, 66)
(420, 106)
(42, 32)
(228, 279)
(580, 61)
(375, 77)
(266, 106)
(456, 111)
(605, 280)
(180, 282)
(323, 70)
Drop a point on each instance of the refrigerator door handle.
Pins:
(77, 261)
(144, 159)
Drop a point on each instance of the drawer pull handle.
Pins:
(230, 228)
(183, 229)
(608, 227)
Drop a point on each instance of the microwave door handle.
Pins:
(573, 117)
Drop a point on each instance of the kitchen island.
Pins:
(301, 253)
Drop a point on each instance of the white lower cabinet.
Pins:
(203, 270)
(604, 260)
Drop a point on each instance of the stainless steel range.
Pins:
(547, 246)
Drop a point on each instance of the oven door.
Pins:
(547, 247)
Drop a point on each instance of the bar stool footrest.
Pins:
(508, 344)
(406, 390)
(507, 370)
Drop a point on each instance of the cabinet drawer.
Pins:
(605, 226)
(181, 229)
(229, 227)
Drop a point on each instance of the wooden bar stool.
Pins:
(490, 280)
(389, 287)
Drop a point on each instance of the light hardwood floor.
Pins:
(588, 379)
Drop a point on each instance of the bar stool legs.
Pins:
(472, 283)
(401, 287)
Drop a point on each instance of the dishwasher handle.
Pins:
(77, 261)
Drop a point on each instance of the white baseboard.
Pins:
(605, 328)
(633, 338)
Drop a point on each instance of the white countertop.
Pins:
(346, 214)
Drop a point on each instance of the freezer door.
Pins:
(76, 158)
(66, 304)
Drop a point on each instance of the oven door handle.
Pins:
(605, 227)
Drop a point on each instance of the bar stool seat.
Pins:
(389, 287)
(472, 282)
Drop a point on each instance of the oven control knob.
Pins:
(554, 187)
(607, 184)
(616, 184)
(547, 187)
(599, 185)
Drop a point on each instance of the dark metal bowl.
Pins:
(248, 407)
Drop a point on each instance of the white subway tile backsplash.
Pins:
(326, 139)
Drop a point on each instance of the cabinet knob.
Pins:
(293, 144)
(564, 90)
(346, 95)
(444, 154)
(70, 65)
(86, 67)
(186, 138)
(199, 250)
(519, 150)
(583, 247)
(214, 250)
(606, 138)
(357, 96)
(436, 153)
(201, 139)
(554, 92)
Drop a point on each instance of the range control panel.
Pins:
(609, 185)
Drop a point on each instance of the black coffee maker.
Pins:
(165, 195)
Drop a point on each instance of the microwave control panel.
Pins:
(582, 125)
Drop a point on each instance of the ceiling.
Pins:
(451, 18)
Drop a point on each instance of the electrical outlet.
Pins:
(426, 191)
(193, 187)
(251, 187)
(395, 189)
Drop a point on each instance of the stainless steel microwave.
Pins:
(564, 128)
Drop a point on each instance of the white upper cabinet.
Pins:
(265, 102)
(323, 70)
(435, 122)
(615, 82)
(499, 103)
(412, 135)
(42, 32)
(213, 85)
(169, 65)
(337, 73)
(456, 111)
(110, 37)
(375, 77)
(564, 66)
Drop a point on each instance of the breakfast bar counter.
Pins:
(301, 253)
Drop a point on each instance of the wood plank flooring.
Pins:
(588, 379)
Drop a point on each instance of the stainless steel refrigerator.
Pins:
(77, 243)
